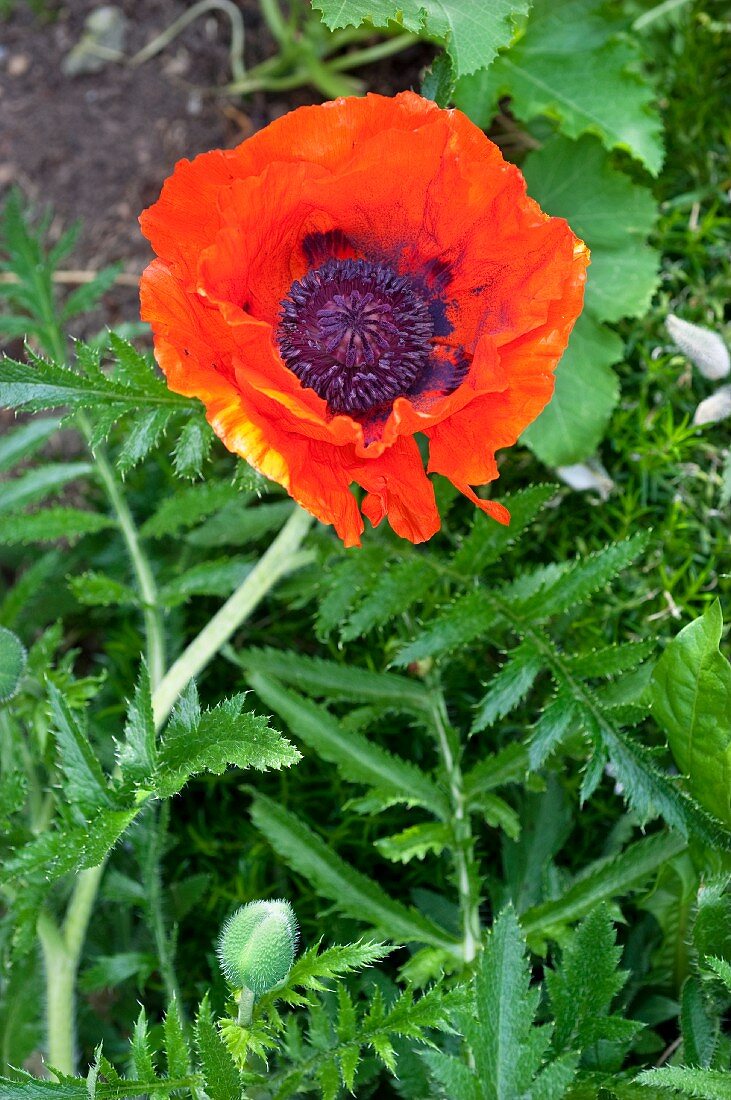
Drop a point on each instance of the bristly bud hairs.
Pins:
(256, 949)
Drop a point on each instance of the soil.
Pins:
(96, 147)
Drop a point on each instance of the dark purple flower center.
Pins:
(356, 333)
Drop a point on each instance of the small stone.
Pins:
(101, 43)
(18, 64)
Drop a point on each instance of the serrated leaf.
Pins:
(612, 660)
(209, 741)
(141, 435)
(691, 700)
(557, 721)
(508, 688)
(86, 296)
(187, 507)
(141, 1054)
(329, 680)
(352, 892)
(98, 590)
(700, 1031)
(176, 1047)
(222, 1078)
(137, 754)
(240, 523)
(721, 968)
(573, 67)
(395, 591)
(455, 626)
(12, 663)
(472, 34)
(583, 987)
(706, 1084)
(359, 760)
(50, 525)
(602, 881)
(509, 765)
(208, 578)
(192, 447)
(416, 842)
(487, 541)
(86, 784)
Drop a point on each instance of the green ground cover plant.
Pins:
(441, 821)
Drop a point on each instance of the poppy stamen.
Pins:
(357, 333)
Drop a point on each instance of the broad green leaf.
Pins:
(614, 216)
(691, 699)
(359, 760)
(573, 67)
(12, 663)
(353, 893)
(52, 524)
(209, 741)
(86, 784)
(573, 424)
(472, 33)
(700, 1030)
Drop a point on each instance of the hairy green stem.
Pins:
(282, 557)
(463, 839)
(246, 1007)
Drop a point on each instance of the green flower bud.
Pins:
(257, 945)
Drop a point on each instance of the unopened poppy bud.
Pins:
(257, 945)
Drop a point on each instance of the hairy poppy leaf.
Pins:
(575, 67)
(52, 524)
(12, 663)
(471, 32)
(24, 441)
(691, 699)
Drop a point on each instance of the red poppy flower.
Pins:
(351, 275)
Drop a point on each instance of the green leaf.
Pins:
(691, 699)
(222, 1078)
(24, 441)
(192, 447)
(700, 1032)
(98, 590)
(455, 626)
(573, 424)
(187, 507)
(415, 842)
(706, 1084)
(472, 34)
(359, 760)
(208, 578)
(314, 967)
(86, 296)
(606, 879)
(721, 968)
(587, 981)
(330, 680)
(352, 892)
(395, 591)
(208, 741)
(176, 1048)
(137, 754)
(52, 524)
(509, 687)
(573, 67)
(575, 180)
(141, 1055)
(86, 784)
(12, 663)
(141, 435)
(241, 523)
(509, 765)
(40, 483)
(488, 541)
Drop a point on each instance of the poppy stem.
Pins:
(282, 557)
(463, 852)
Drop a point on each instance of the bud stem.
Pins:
(246, 1007)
